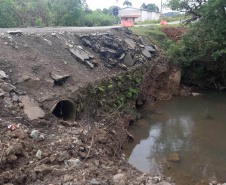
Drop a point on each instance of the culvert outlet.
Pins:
(64, 109)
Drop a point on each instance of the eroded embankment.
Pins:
(49, 80)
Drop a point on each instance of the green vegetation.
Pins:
(155, 36)
(27, 13)
(101, 88)
(202, 51)
(151, 7)
(127, 3)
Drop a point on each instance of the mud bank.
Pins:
(71, 98)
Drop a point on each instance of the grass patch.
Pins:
(154, 36)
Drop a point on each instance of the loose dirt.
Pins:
(50, 150)
(174, 33)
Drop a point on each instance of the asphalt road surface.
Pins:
(71, 29)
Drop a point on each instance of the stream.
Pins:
(192, 127)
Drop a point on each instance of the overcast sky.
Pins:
(94, 4)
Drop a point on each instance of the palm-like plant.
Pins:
(127, 3)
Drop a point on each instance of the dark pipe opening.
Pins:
(65, 109)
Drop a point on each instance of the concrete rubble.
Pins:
(112, 49)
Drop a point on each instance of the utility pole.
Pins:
(161, 7)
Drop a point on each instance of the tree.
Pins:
(202, 51)
(143, 6)
(152, 7)
(127, 3)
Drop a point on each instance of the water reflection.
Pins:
(181, 126)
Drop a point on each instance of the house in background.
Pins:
(137, 15)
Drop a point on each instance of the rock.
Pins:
(130, 43)
(62, 156)
(94, 181)
(108, 53)
(173, 157)
(53, 34)
(59, 79)
(120, 178)
(3, 75)
(1, 93)
(79, 54)
(81, 148)
(95, 63)
(96, 47)
(39, 154)
(122, 56)
(14, 32)
(157, 179)
(150, 49)
(11, 158)
(146, 53)
(48, 42)
(44, 169)
(127, 60)
(196, 94)
(34, 134)
(68, 178)
(31, 108)
(160, 183)
(52, 158)
(74, 162)
(19, 134)
(14, 149)
(86, 42)
(214, 182)
(144, 40)
(89, 64)
(24, 78)
(8, 87)
(82, 154)
(15, 98)
(174, 81)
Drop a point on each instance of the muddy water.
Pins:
(181, 125)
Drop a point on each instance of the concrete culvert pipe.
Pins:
(65, 109)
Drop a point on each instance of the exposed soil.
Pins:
(174, 33)
(87, 151)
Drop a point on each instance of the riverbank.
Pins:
(48, 80)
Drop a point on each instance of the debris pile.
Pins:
(174, 33)
(117, 48)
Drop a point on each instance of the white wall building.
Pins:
(136, 15)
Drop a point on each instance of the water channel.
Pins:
(192, 127)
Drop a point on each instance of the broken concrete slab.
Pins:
(150, 49)
(14, 32)
(96, 48)
(144, 40)
(127, 60)
(8, 87)
(59, 79)
(31, 108)
(3, 75)
(111, 45)
(109, 53)
(79, 54)
(89, 64)
(130, 43)
(146, 53)
(86, 42)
